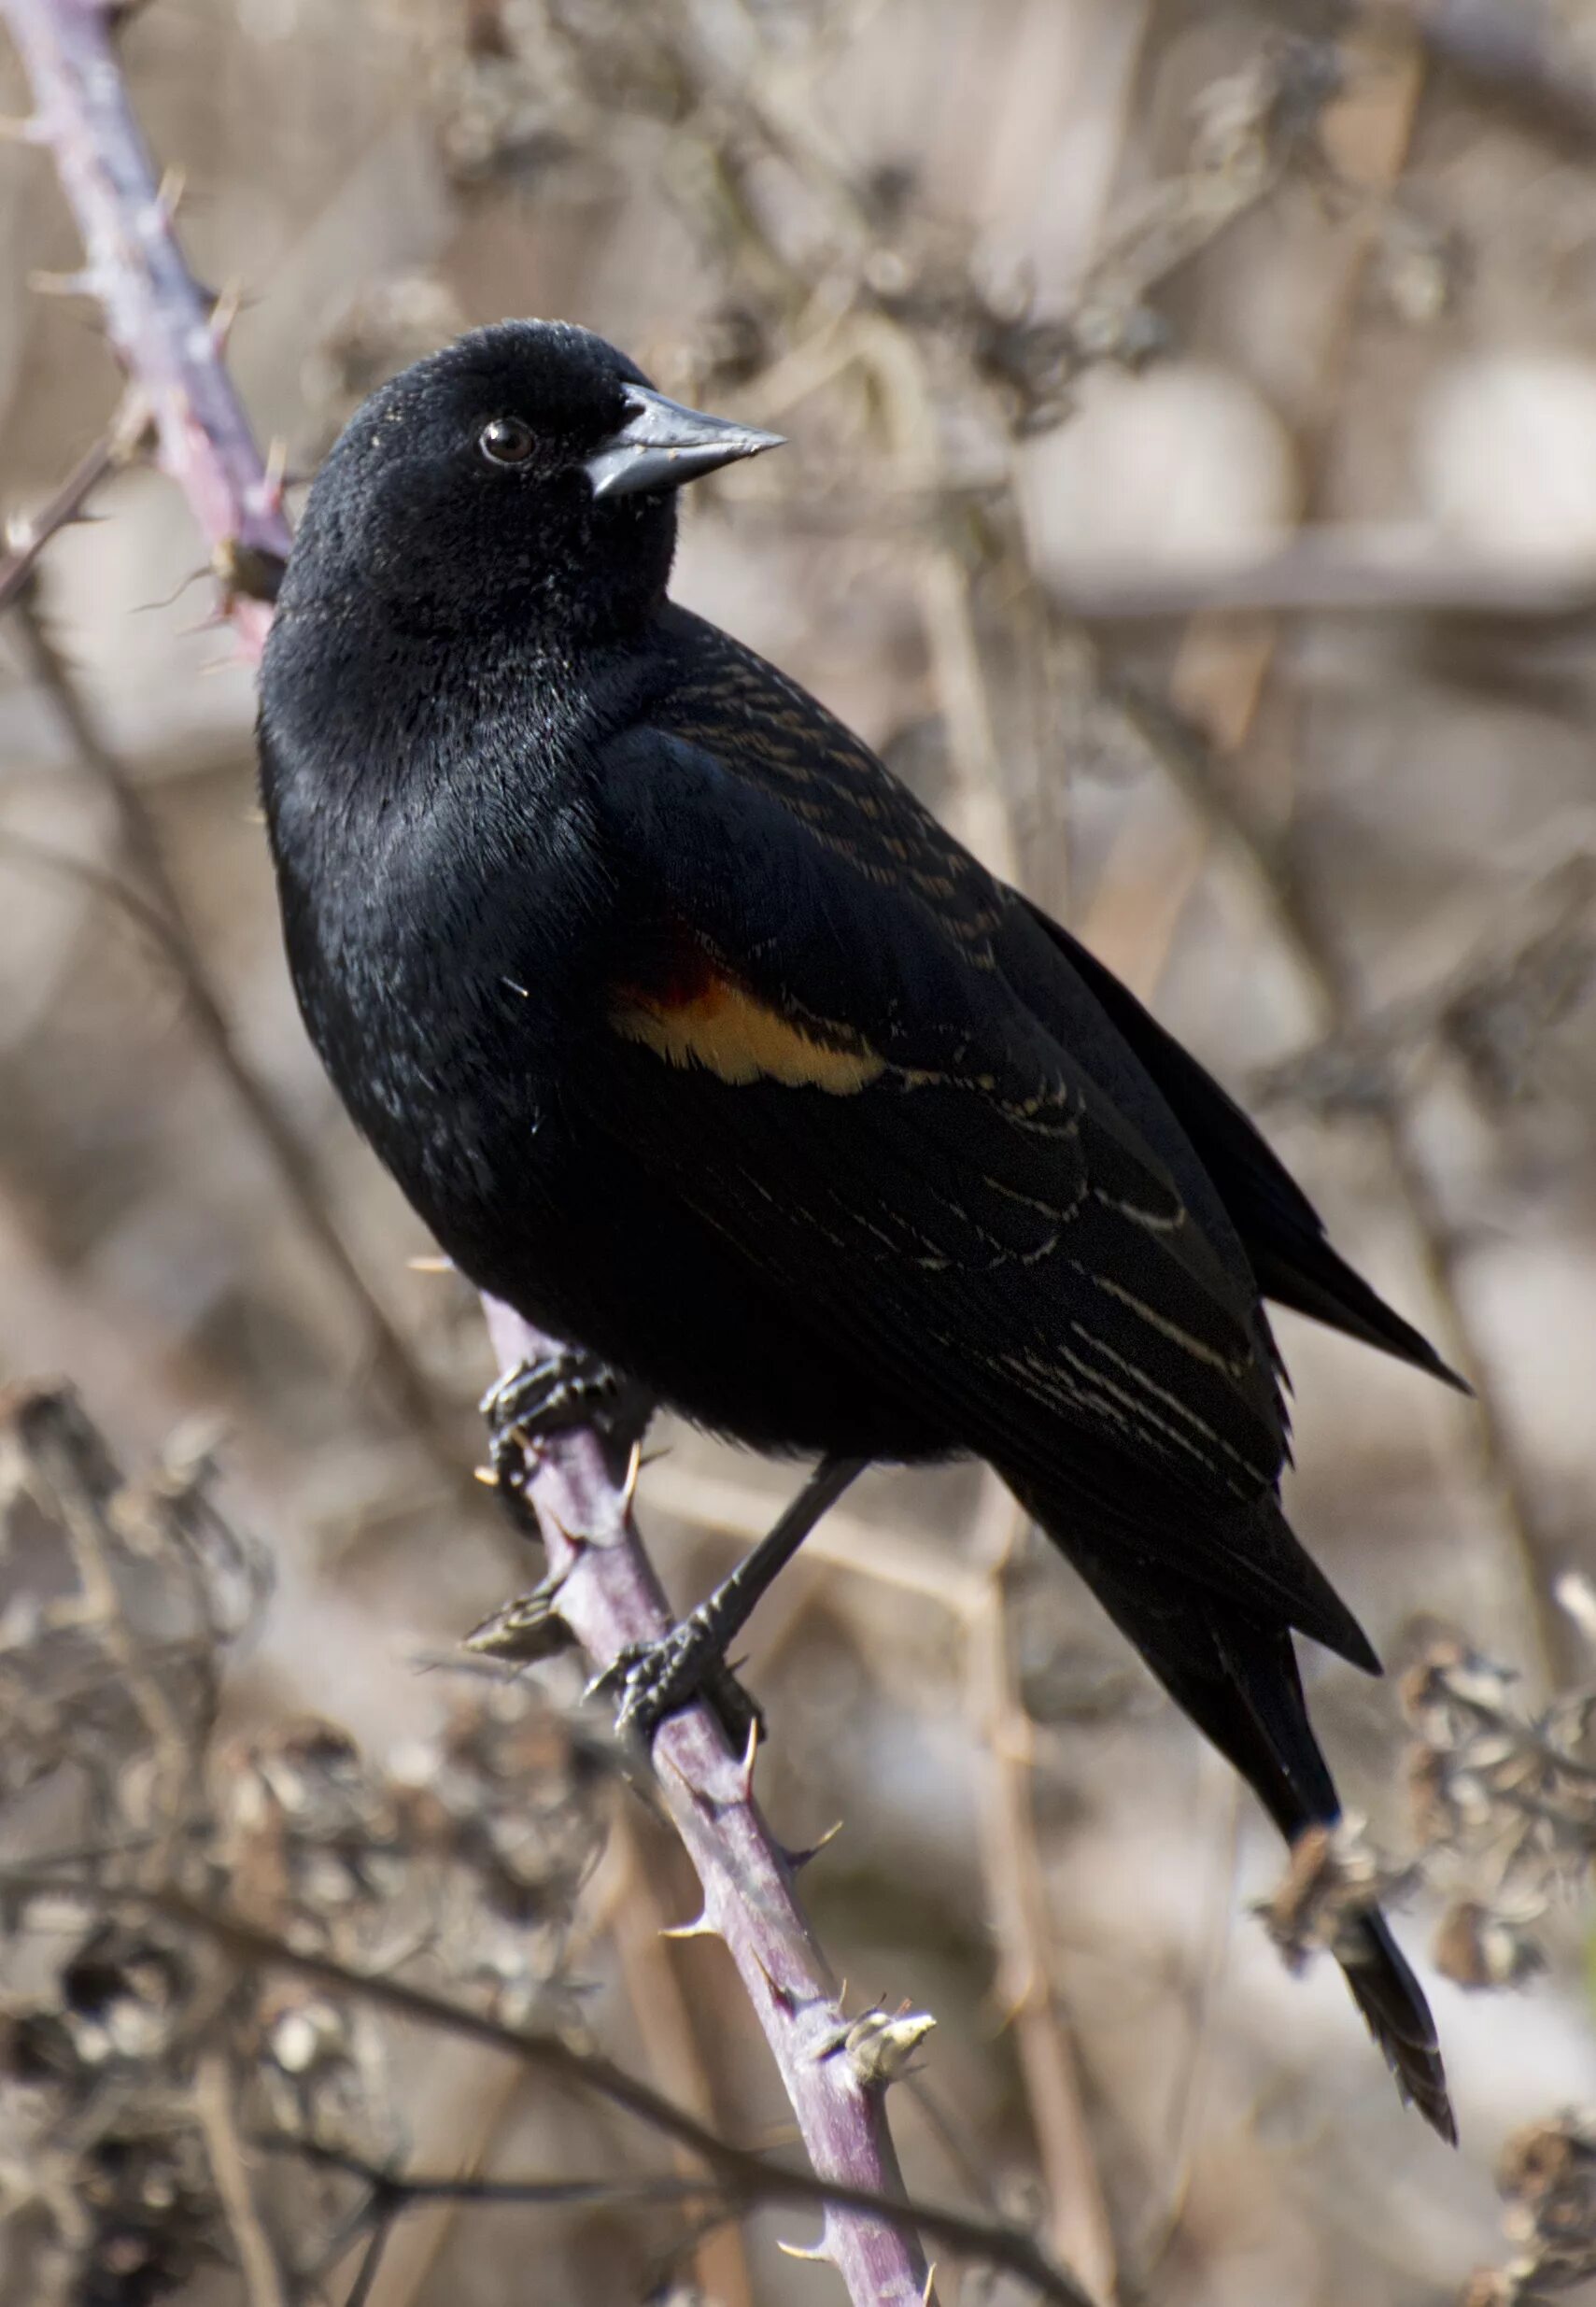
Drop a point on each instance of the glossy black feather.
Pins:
(1240, 1685)
(1281, 1231)
(693, 1036)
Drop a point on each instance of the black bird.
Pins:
(696, 1039)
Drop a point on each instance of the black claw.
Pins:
(526, 1630)
(554, 1394)
(657, 1679)
(550, 1395)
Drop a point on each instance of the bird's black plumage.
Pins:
(696, 1039)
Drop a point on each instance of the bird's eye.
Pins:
(506, 441)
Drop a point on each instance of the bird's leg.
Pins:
(552, 1393)
(656, 1678)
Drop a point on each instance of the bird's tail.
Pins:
(1240, 1683)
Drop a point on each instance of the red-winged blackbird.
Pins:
(693, 1037)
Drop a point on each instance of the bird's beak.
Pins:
(661, 445)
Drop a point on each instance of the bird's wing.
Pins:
(807, 1036)
(850, 801)
(1281, 1230)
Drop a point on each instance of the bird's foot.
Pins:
(653, 1679)
(551, 1394)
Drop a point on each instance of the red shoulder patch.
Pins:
(696, 1013)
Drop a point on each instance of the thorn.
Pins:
(702, 1928)
(929, 2293)
(223, 313)
(276, 470)
(431, 1265)
(65, 284)
(820, 2255)
(265, 497)
(170, 192)
(485, 1475)
(746, 1771)
(572, 1540)
(1575, 1595)
(634, 1468)
(798, 1859)
(784, 1995)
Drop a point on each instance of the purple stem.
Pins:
(162, 327)
(611, 1599)
(156, 316)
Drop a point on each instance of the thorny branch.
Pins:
(608, 1596)
(607, 1592)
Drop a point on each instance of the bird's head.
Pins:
(525, 475)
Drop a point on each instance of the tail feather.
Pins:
(1301, 1270)
(1238, 1682)
(1397, 2016)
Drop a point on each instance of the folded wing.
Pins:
(810, 1038)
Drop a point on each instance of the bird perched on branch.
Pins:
(696, 1039)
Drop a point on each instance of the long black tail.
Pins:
(1240, 1683)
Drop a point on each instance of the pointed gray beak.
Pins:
(661, 445)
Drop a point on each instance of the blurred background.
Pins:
(1190, 489)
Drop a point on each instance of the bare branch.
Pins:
(1329, 572)
(1017, 1887)
(28, 534)
(1277, 868)
(264, 2281)
(163, 914)
(1515, 52)
(407, 2188)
